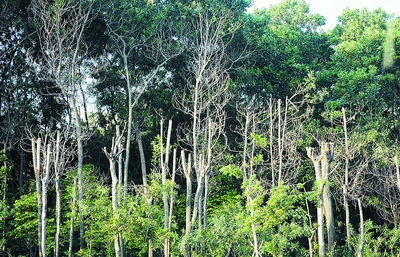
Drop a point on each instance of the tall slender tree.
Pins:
(61, 26)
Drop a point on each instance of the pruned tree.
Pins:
(322, 160)
(51, 154)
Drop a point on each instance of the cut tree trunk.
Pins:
(322, 169)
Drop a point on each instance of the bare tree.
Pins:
(205, 97)
(60, 27)
(131, 38)
(274, 129)
(285, 130)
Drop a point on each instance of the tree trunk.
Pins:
(171, 200)
(71, 229)
(312, 231)
(21, 171)
(187, 170)
(346, 179)
(36, 150)
(129, 131)
(360, 248)
(271, 142)
(397, 171)
(45, 183)
(164, 170)
(320, 218)
(58, 194)
(327, 157)
(141, 150)
(79, 138)
(112, 157)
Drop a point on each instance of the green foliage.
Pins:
(222, 236)
(285, 221)
(24, 215)
(232, 170)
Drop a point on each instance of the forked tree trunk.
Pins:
(36, 150)
(327, 157)
(322, 168)
(113, 156)
(41, 165)
(187, 170)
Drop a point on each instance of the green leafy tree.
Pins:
(274, 69)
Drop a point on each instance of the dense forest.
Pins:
(196, 128)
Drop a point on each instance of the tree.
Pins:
(275, 70)
(60, 27)
(145, 42)
(206, 95)
(359, 75)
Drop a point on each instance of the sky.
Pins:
(331, 9)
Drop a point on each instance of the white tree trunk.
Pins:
(361, 245)
(320, 217)
(346, 179)
(113, 156)
(45, 183)
(327, 157)
(58, 194)
(71, 229)
(36, 153)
